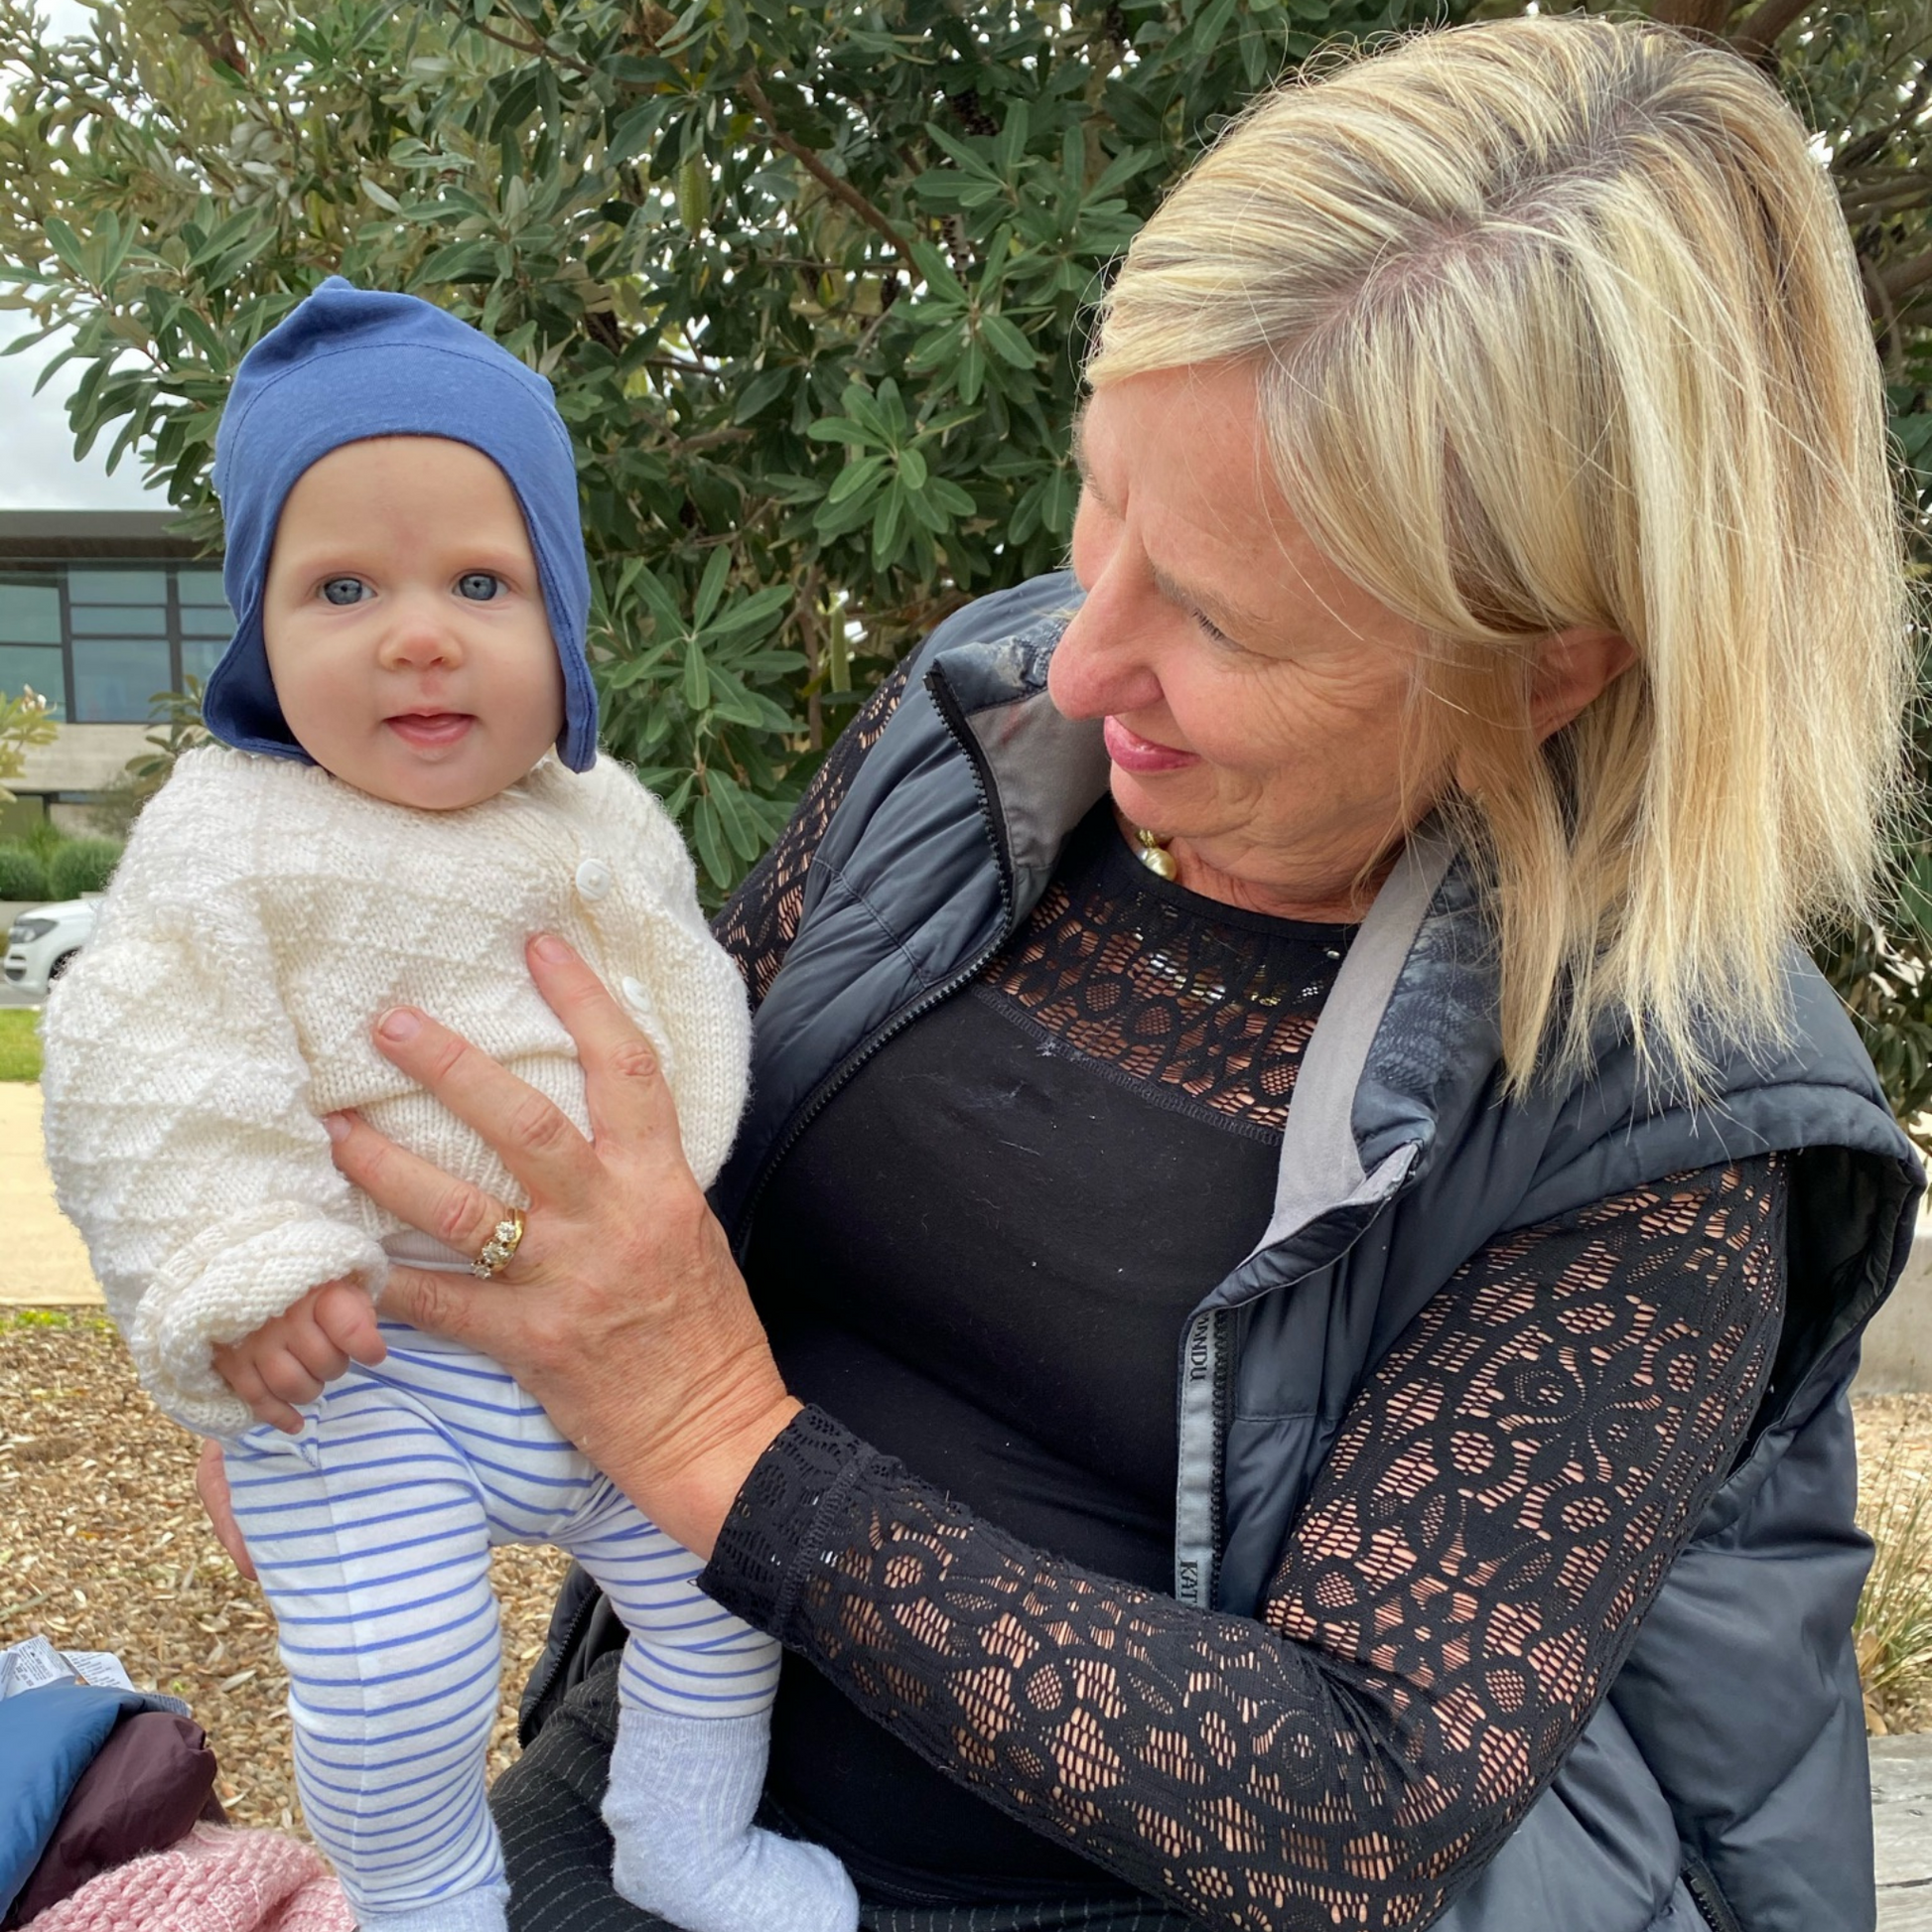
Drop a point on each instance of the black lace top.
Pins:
(1496, 1515)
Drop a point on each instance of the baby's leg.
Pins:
(696, 1687)
(371, 1543)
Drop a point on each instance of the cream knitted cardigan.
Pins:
(263, 917)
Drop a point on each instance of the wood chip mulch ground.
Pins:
(103, 1547)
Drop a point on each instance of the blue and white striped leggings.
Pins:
(372, 1533)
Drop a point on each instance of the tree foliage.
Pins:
(24, 722)
(810, 283)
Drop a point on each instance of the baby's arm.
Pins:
(295, 1356)
(180, 1124)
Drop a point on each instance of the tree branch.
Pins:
(1871, 145)
(539, 49)
(1757, 33)
(841, 190)
(1904, 277)
(1875, 199)
(1891, 347)
(1694, 16)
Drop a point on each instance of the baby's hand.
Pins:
(290, 1359)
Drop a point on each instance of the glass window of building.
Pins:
(207, 623)
(30, 638)
(119, 621)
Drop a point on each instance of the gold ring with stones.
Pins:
(497, 1253)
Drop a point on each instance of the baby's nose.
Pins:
(419, 637)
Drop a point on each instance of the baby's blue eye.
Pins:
(479, 586)
(344, 590)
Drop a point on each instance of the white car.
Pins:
(43, 941)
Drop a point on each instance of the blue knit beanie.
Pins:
(350, 363)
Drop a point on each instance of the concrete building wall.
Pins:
(1898, 1343)
(83, 758)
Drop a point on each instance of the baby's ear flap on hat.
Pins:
(240, 705)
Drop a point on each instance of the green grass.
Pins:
(81, 1320)
(20, 1043)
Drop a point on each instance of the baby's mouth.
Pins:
(430, 731)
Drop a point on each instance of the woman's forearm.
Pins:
(1498, 1511)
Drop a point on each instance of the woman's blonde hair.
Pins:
(1557, 323)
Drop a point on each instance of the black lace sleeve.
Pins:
(758, 922)
(1494, 1519)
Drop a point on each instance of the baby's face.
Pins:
(405, 624)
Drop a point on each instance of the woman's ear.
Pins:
(1574, 667)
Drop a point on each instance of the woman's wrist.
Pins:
(786, 1508)
(691, 1500)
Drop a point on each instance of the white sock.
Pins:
(679, 1808)
(481, 1911)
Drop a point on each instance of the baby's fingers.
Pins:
(237, 1367)
(345, 1317)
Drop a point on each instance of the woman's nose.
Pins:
(1102, 666)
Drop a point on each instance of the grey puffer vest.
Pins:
(1723, 1782)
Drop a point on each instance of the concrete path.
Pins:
(43, 1263)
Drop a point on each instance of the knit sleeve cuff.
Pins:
(226, 1283)
(786, 1520)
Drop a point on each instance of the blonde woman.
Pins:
(1308, 1217)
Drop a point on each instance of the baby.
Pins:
(408, 788)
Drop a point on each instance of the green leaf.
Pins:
(697, 677)
(1011, 142)
(940, 281)
(66, 245)
(1006, 342)
(950, 497)
(459, 261)
(888, 525)
(855, 480)
(841, 429)
(712, 848)
(760, 393)
(750, 613)
(711, 589)
(666, 617)
(734, 815)
(971, 375)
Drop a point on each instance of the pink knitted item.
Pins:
(215, 1880)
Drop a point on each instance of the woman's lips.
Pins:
(1133, 752)
(431, 731)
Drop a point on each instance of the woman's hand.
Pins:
(211, 1485)
(622, 1312)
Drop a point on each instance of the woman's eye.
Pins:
(1214, 632)
(344, 590)
(479, 586)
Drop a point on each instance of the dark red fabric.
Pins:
(151, 1780)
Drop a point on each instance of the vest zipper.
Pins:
(954, 720)
(1712, 1908)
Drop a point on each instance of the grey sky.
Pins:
(37, 465)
